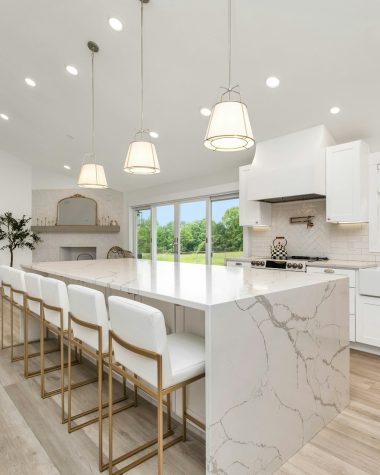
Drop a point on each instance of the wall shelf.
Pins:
(89, 229)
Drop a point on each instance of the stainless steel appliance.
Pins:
(294, 263)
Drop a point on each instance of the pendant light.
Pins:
(92, 174)
(229, 128)
(142, 156)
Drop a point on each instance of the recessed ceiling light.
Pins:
(272, 82)
(4, 116)
(154, 134)
(30, 82)
(67, 167)
(205, 111)
(115, 24)
(335, 110)
(72, 70)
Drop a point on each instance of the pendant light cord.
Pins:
(93, 106)
(142, 64)
(229, 48)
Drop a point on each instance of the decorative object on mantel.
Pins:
(92, 174)
(17, 233)
(278, 249)
(142, 156)
(308, 220)
(77, 228)
(117, 252)
(229, 128)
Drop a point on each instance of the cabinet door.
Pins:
(251, 213)
(368, 321)
(347, 182)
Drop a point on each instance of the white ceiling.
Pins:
(325, 52)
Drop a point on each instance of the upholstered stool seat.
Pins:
(155, 362)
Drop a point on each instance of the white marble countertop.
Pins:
(195, 285)
(338, 264)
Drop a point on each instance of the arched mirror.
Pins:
(77, 210)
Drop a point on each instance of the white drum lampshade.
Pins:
(142, 158)
(229, 128)
(92, 176)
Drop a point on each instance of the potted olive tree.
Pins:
(17, 234)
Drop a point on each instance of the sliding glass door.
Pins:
(203, 231)
(192, 236)
(144, 233)
(166, 239)
(226, 233)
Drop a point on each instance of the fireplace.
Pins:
(77, 253)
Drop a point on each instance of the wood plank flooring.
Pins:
(34, 442)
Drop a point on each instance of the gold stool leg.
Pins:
(169, 412)
(11, 331)
(110, 408)
(160, 436)
(26, 345)
(2, 319)
(62, 378)
(100, 407)
(184, 422)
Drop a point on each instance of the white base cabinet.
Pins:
(368, 325)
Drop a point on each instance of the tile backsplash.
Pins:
(335, 241)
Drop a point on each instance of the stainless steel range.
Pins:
(294, 263)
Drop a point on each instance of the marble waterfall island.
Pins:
(277, 354)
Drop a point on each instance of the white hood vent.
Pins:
(290, 167)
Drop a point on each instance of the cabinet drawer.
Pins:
(352, 329)
(351, 274)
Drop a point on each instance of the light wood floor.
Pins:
(33, 442)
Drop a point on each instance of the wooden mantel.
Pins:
(77, 228)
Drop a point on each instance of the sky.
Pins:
(193, 211)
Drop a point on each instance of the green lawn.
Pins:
(193, 258)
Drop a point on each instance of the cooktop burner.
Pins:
(309, 258)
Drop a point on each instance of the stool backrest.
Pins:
(33, 289)
(88, 305)
(54, 293)
(17, 281)
(142, 326)
(4, 277)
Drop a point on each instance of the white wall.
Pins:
(226, 182)
(44, 180)
(15, 196)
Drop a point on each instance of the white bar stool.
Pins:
(55, 310)
(157, 363)
(88, 329)
(33, 309)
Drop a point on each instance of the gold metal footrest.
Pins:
(95, 409)
(50, 369)
(143, 458)
(54, 392)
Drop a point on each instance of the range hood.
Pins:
(290, 167)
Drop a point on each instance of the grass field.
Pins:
(217, 258)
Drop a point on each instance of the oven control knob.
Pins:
(288, 265)
(262, 263)
(300, 266)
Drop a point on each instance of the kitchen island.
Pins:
(277, 355)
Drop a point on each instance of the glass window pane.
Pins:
(227, 235)
(193, 232)
(143, 232)
(165, 232)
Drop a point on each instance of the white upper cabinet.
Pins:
(347, 182)
(251, 213)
